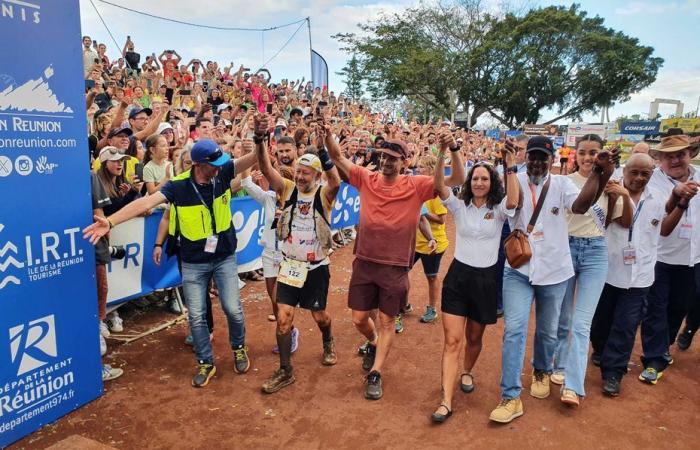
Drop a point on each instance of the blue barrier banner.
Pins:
(49, 346)
(137, 275)
(642, 127)
(346, 211)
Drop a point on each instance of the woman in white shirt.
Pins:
(589, 256)
(469, 288)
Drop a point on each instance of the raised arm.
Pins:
(439, 176)
(511, 176)
(152, 126)
(342, 164)
(603, 168)
(323, 134)
(457, 176)
(263, 158)
(102, 225)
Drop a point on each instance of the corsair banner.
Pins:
(49, 347)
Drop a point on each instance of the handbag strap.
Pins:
(538, 208)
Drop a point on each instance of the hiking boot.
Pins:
(373, 390)
(114, 322)
(569, 397)
(595, 359)
(241, 362)
(398, 323)
(204, 373)
(281, 378)
(650, 375)
(557, 378)
(540, 384)
(368, 357)
(611, 387)
(430, 315)
(110, 373)
(685, 339)
(507, 410)
(329, 356)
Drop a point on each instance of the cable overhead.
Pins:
(284, 46)
(211, 27)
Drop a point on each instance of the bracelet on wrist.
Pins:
(456, 148)
(157, 245)
(258, 139)
(511, 170)
(111, 224)
(681, 206)
(597, 169)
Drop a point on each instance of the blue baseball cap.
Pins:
(206, 151)
(136, 111)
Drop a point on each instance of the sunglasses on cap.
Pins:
(214, 156)
(391, 146)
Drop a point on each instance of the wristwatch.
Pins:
(511, 170)
(258, 139)
(157, 245)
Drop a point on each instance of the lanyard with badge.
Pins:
(629, 254)
(213, 239)
(538, 230)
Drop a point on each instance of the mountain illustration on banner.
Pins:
(33, 96)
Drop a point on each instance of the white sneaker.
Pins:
(110, 373)
(115, 323)
(103, 345)
(104, 329)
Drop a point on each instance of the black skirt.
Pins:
(470, 292)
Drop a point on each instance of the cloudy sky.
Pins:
(671, 27)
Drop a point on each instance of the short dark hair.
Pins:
(201, 119)
(496, 191)
(285, 140)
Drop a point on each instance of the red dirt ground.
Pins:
(153, 406)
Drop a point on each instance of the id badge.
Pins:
(686, 231)
(293, 273)
(538, 233)
(210, 246)
(629, 256)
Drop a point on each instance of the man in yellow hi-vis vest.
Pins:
(201, 221)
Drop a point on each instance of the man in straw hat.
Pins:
(677, 271)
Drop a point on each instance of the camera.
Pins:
(117, 252)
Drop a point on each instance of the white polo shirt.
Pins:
(674, 249)
(551, 258)
(645, 241)
(478, 230)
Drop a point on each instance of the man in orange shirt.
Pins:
(564, 153)
(390, 205)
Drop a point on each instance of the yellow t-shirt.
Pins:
(436, 207)
(584, 225)
(129, 168)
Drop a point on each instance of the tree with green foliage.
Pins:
(352, 73)
(459, 57)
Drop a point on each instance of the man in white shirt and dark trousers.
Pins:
(544, 278)
(631, 259)
(677, 272)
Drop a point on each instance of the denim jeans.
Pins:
(195, 283)
(590, 259)
(518, 295)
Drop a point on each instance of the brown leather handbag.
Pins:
(517, 245)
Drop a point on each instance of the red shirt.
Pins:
(389, 215)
